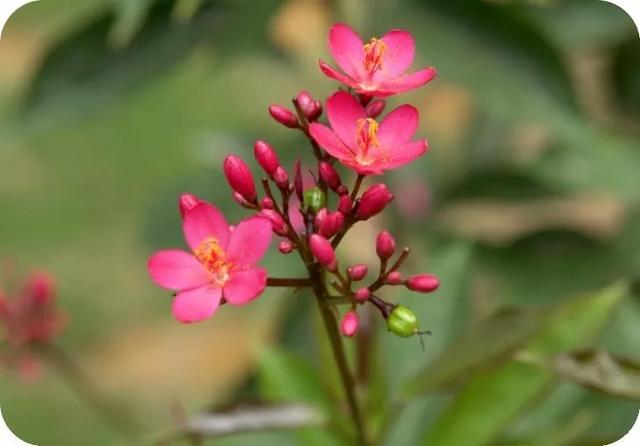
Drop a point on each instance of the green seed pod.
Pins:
(402, 322)
(314, 199)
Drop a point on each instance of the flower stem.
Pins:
(118, 419)
(348, 382)
(288, 282)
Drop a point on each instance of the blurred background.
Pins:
(529, 196)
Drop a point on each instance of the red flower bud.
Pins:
(284, 116)
(240, 177)
(345, 204)
(281, 178)
(241, 200)
(365, 99)
(311, 108)
(423, 283)
(187, 202)
(362, 294)
(385, 245)
(350, 323)
(323, 252)
(266, 157)
(267, 203)
(374, 108)
(40, 287)
(329, 175)
(277, 222)
(329, 223)
(357, 272)
(394, 278)
(373, 201)
(285, 247)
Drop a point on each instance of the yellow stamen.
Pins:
(213, 257)
(374, 54)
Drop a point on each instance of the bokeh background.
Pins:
(528, 197)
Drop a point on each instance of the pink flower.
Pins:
(378, 67)
(363, 144)
(221, 264)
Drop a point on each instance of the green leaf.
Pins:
(490, 400)
(84, 71)
(287, 378)
(439, 312)
(600, 371)
(483, 347)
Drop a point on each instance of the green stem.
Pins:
(85, 390)
(348, 383)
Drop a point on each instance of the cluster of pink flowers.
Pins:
(311, 219)
(29, 317)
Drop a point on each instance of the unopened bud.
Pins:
(394, 278)
(373, 109)
(329, 175)
(40, 287)
(365, 99)
(362, 294)
(284, 116)
(350, 323)
(187, 202)
(357, 272)
(329, 223)
(266, 157)
(314, 199)
(311, 108)
(423, 283)
(241, 200)
(281, 178)
(285, 247)
(385, 245)
(345, 204)
(267, 203)
(323, 251)
(240, 177)
(277, 222)
(373, 201)
(402, 322)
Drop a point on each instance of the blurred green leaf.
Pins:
(626, 71)
(483, 347)
(600, 371)
(130, 16)
(287, 378)
(441, 312)
(84, 71)
(491, 399)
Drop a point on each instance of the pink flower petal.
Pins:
(344, 111)
(399, 54)
(329, 141)
(403, 154)
(331, 72)
(197, 304)
(244, 286)
(398, 126)
(203, 221)
(347, 49)
(249, 242)
(407, 82)
(176, 270)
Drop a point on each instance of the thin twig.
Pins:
(243, 420)
(293, 282)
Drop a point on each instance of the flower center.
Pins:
(213, 257)
(373, 55)
(366, 137)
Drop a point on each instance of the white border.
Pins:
(8, 438)
(7, 8)
(631, 7)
